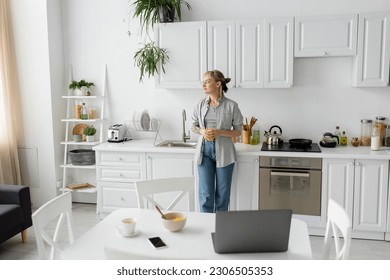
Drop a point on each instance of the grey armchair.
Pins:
(15, 211)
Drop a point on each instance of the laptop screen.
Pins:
(252, 231)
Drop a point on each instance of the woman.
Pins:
(217, 119)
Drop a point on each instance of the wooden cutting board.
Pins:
(80, 186)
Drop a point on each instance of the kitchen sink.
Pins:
(177, 144)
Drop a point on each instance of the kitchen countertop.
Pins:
(250, 150)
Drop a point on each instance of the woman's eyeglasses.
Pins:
(207, 82)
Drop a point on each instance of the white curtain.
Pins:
(9, 97)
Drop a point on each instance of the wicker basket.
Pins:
(82, 157)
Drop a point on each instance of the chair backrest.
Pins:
(52, 213)
(338, 222)
(146, 191)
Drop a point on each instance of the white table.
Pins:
(192, 242)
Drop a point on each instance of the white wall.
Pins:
(29, 20)
(322, 96)
(95, 34)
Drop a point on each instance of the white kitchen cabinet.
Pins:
(360, 186)
(370, 195)
(331, 35)
(250, 54)
(264, 53)
(245, 184)
(186, 43)
(372, 62)
(279, 52)
(221, 48)
(164, 165)
(116, 174)
(337, 184)
(387, 233)
(243, 50)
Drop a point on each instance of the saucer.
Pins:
(128, 234)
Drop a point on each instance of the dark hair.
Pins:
(219, 77)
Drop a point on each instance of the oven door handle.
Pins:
(289, 174)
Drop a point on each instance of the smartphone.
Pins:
(157, 242)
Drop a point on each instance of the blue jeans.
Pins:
(214, 183)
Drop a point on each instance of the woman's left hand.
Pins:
(213, 133)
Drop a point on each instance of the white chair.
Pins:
(338, 222)
(146, 191)
(54, 210)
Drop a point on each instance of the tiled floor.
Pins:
(85, 217)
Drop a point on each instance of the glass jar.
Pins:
(365, 132)
(379, 123)
(386, 140)
(375, 139)
(77, 109)
(355, 141)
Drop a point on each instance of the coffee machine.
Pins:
(116, 133)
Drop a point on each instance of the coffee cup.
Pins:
(127, 226)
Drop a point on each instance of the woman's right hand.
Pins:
(208, 134)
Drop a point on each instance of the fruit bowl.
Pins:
(174, 221)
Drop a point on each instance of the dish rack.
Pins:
(143, 130)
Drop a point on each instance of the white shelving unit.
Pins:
(70, 121)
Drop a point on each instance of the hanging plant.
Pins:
(148, 58)
(151, 12)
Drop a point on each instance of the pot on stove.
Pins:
(274, 138)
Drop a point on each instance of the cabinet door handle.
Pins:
(352, 163)
(289, 174)
(357, 164)
(324, 53)
(120, 158)
(122, 199)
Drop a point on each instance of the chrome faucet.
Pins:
(185, 136)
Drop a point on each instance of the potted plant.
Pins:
(90, 132)
(148, 58)
(151, 12)
(81, 87)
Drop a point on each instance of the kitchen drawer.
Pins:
(120, 158)
(116, 174)
(119, 197)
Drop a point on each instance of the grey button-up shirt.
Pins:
(228, 116)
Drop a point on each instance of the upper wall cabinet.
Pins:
(334, 35)
(221, 48)
(373, 56)
(250, 54)
(278, 64)
(254, 54)
(187, 50)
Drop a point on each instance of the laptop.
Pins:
(252, 231)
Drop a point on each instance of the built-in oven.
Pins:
(290, 182)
